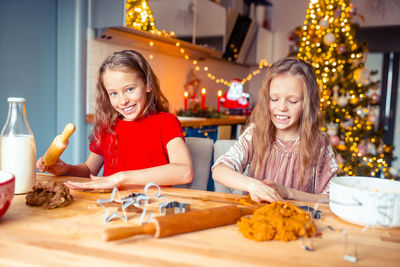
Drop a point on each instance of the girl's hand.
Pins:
(282, 190)
(97, 183)
(59, 168)
(260, 191)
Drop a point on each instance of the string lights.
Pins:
(327, 40)
(139, 16)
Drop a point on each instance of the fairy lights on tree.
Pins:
(139, 15)
(349, 97)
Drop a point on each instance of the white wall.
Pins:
(172, 72)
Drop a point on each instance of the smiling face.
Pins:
(285, 105)
(127, 92)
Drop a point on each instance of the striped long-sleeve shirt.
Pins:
(282, 166)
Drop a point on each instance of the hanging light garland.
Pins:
(139, 16)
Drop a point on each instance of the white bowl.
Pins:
(366, 200)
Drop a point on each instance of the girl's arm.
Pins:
(290, 193)
(92, 165)
(178, 171)
(258, 190)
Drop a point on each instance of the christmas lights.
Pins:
(139, 16)
(327, 41)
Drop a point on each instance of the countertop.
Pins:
(71, 236)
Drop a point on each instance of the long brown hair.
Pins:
(311, 137)
(129, 61)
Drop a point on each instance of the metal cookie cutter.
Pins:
(315, 213)
(108, 217)
(132, 196)
(143, 200)
(176, 207)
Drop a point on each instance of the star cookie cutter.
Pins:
(108, 217)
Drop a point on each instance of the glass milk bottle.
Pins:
(18, 147)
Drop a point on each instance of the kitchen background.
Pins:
(50, 51)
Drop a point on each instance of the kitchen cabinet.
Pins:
(200, 21)
(155, 43)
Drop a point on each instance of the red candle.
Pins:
(186, 95)
(219, 94)
(203, 98)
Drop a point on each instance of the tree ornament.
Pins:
(323, 23)
(362, 149)
(329, 38)
(372, 118)
(341, 49)
(375, 98)
(371, 148)
(348, 123)
(334, 140)
(362, 75)
(335, 92)
(332, 128)
(343, 100)
(338, 13)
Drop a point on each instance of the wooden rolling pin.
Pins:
(174, 224)
(58, 145)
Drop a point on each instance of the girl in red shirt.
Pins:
(134, 137)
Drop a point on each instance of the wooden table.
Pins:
(71, 236)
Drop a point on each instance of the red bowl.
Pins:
(7, 185)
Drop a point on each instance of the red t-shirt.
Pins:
(141, 143)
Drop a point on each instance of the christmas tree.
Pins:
(139, 15)
(349, 97)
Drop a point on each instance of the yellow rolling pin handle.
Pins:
(58, 145)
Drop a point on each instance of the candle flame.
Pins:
(186, 94)
(219, 93)
(203, 91)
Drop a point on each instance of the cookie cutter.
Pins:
(142, 201)
(124, 204)
(315, 214)
(350, 250)
(176, 207)
(138, 200)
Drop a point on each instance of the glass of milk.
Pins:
(18, 147)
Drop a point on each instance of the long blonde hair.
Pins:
(311, 137)
(105, 115)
